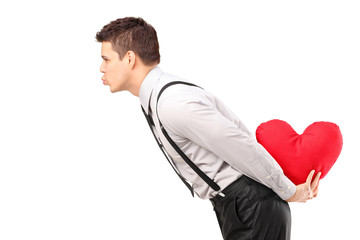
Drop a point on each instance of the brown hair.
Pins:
(132, 34)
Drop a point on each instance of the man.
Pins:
(245, 184)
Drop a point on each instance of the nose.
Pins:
(102, 67)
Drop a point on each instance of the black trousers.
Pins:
(250, 210)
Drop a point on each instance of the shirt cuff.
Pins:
(285, 188)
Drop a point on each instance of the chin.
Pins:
(114, 90)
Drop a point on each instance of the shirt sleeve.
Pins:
(200, 121)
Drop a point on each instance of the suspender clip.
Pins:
(221, 194)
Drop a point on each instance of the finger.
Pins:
(316, 181)
(315, 194)
(310, 176)
(311, 195)
(316, 190)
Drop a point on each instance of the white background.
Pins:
(78, 162)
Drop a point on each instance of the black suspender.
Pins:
(151, 123)
(209, 181)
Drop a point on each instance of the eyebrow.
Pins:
(104, 57)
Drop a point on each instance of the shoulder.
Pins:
(182, 98)
(180, 104)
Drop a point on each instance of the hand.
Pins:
(307, 190)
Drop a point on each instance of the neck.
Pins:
(138, 79)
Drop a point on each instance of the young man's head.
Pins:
(130, 49)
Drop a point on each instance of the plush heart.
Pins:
(317, 148)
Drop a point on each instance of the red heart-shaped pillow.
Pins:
(317, 148)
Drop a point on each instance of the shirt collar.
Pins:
(147, 87)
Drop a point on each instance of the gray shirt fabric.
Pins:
(211, 135)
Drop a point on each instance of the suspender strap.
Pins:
(210, 182)
(150, 122)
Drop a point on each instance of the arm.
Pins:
(200, 122)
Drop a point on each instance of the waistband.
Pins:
(232, 188)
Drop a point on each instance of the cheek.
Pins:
(117, 69)
(110, 70)
(115, 74)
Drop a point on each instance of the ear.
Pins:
(131, 58)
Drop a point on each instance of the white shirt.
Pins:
(211, 136)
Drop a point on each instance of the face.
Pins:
(116, 71)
